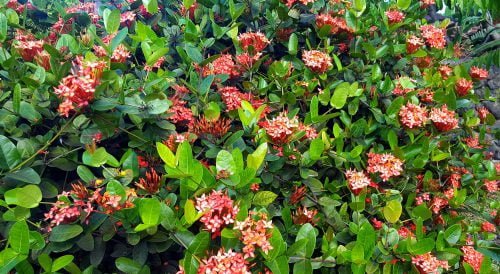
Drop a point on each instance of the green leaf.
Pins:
(190, 213)
(206, 84)
(403, 4)
(212, 112)
(3, 27)
(149, 210)
(150, 60)
(392, 211)
(111, 20)
(396, 104)
(151, 5)
(225, 162)
(157, 106)
(366, 239)
(19, 237)
(422, 211)
(200, 244)
(62, 233)
(293, 43)
(28, 112)
(16, 98)
(166, 155)
(127, 265)
(187, 3)
(421, 246)
(279, 265)
(129, 161)
(316, 149)
(359, 6)
(28, 196)
(256, 159)
(9, 156)
(308, 232)
(339, 97)
(96, 159)
(62, 262)
(303, 267)
(452, 234)
(264, 198)
(25, 175)
(9, 259)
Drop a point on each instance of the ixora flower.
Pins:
(471, 256)
(434, 37)
(413, 43)
(304, 215)
(428, 264)
(232, 98)
(491, 185)
(478, 73)
(224, 64)
(445, 71)
(412, 116)
(229, 262)
(395, 16)
(385, 164)
(257, 40)
(218, 211)
(255, 233)
(204, 127)
(426, 3)
(488, 227)
(357, 180)
(463, 86)
(317, 61)
(151, 184)
(443, 119)
(29, 49)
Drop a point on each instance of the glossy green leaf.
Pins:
(256, 159)
(111, 20)
(166, 154)
(452, 234)
(264, 198)
(62, 233)
(9, 156)
(149, 210)
(62, 262)
(392, 211)
(28, 196)
(19, 237)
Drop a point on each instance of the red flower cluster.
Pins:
(28, 46)
(224, 64)
(443, 119)
(304, 215)
(232, 97)
(256, 40)
(385, 164)
(478, 73)
(394, 16)
(488, 227)
(180, 114)
(428, 264)
(281, 128)
(77, 90)
(218, 211)
(317, 61)
(463, 86)
(254, 233)
(445, 71)
(127, 18)
(413, 43)
(337, 24)
(412, 115)
(491, 185)
(434, 37)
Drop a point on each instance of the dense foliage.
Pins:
(238, 136)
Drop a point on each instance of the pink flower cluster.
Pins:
(413, 43)
(412, 116)
(229, 262)
(394, 16)
(337, 24)
(385, 164)
(232, 98)
(463, 86)
(317, 61)
(254, 233)
(428, 264)
(257, 40)
(224, 64)
(478, 73)
(281, 128)
(357, 180)
(443, 119)
(218, 211)
(434, 37)
(471, 256)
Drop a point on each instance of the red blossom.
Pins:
(478, 73)
(463, 86)
(394, 16)
(412, 116)
(385, 164)
(317, 61)
(218, 211)
(434, 37)
(443, 119)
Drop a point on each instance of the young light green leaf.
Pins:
(111, 20)
(62, 262)
(149, 210)
(19, 237)
(256, 159)
(392, 211)
(264, 198)
(166, 155)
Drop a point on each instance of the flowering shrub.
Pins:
(243, 137)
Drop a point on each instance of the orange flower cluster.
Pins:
(304, 215)
(175, 139)
(317, 61)
(337, 24)
(428, 264)
(232, 98)
(254, 233)
(151, 184)
(443, 119)
(204, 128)
(412, 116)
(385, 164)
(180, 114)
(491, 185)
